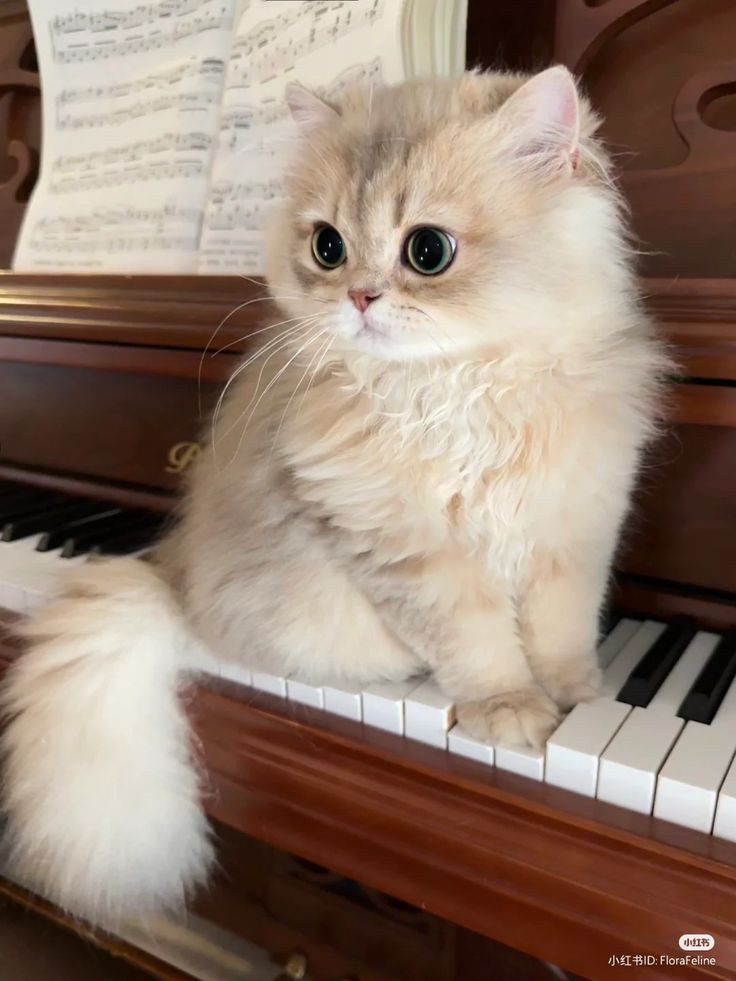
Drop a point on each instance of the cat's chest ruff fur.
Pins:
(460, 459)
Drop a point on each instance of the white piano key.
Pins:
(298, 691)
(524, 760)
(383, 704)
(574, 750)
(725, 822)
(689, 781)
(346, 701)
(615, 640)
(271, 683)
(28, 578)
(461, 743)
(238, 673)
(630, 765)
(429, 714)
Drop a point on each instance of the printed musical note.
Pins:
(165, 131)
(82, 37)
(195, 70)
(193, 142)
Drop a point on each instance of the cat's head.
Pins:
(443, 218)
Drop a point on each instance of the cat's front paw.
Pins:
(573, 681)
(519, 718)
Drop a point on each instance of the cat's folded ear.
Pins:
(307, 110)
(541, 121)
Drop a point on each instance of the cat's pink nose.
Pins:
(363, 298)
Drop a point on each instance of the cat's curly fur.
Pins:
(437, 483)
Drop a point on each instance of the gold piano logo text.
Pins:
(181, 456)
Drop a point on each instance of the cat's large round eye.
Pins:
(328, 247)
(429, 251)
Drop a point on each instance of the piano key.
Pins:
(383, 704)
(461, 743)
(98, 532)
(271, 683)
(630, 765)
(230, 671)
(43, 518)
(346, 701)
(429, 714)
(689, 781)
(298, 691)
(620, 634)
(56, 537)
(28, 577)
(574, 750)
(28, 505)
(134, 538)
(724, 825)
(702, 701)
(648, 675)
(526, 761)
(19, 495)
(9, 490)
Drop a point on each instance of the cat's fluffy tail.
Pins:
(101, 792)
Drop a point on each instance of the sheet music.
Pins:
(324, 44)
(131, 92)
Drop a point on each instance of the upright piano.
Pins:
(356, 829)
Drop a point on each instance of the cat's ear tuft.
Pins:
(307, 110)
(543, 117)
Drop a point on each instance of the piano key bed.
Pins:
(659, 740)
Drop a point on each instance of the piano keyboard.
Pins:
(660, 739)
(43, 532)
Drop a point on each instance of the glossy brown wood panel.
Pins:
(114, 426)
(682, 526)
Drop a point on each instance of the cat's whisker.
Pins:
(279, 343)
(273, 347)
(215, 332)
(253, 333)
(318, 368)
(282, 286)
(314, 357)
(267, 389)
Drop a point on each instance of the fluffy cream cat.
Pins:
(426, 470)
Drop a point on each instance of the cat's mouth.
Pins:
(370, 329)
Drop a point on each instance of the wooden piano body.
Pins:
(101, 380)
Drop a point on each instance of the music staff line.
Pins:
(134, 243)
(176, 142)
(269, 50)
(241, 119)
(95, 49)
(145, 13)
(183, 102)
(194, 69)
(165, 170)
(104, 220)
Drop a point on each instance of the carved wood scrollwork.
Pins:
(703, 141)
(20, 121)
(582, 27)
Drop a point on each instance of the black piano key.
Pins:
(644, 681)
(8, 491)
(98, 533)
(56, 537)
(48, 518)
(704, 698)
(132, 541)
(26, 503)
